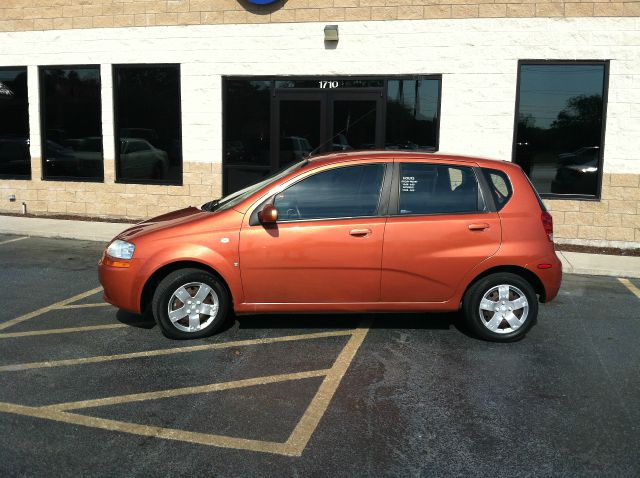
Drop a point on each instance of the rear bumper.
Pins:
(551, 278)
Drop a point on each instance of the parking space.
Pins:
(85, 388)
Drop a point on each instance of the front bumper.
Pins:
(121, 285)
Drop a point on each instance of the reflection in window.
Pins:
(15, 160)
(148, 124)
(438, 189)
(412, 114)
(247, 110)
(559, 129)
(72, 123)
(352, 191)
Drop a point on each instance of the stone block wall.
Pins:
(613, 221)
(202, 182)
(24, 15)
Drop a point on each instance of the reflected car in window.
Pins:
(348, 232)
(577, 171)
(140, 159)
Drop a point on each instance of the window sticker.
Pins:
(408, 184)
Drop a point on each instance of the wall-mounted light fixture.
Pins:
(331, 33)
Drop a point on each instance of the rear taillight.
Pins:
(547, 223)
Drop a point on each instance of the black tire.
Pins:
(481, 321)
(164, 298)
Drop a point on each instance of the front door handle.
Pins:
(360, 232)
(478, 227)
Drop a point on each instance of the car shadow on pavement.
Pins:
(145, 321)
(413, 321)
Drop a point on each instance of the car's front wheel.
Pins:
(190, 304)
(500, 307)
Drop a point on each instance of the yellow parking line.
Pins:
(146, 430)
(176, 392)
(295, 444)
(159, 352)
(14, 240)
(82, 306)
(43, 310)
(66, 330)
(629, 285)
(301, 435)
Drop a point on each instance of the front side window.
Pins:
(148, 124)
(438, 189)
(560, 121)
(71, 123)
(352, 191)
(15, 160)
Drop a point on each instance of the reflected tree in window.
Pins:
(412, 115)
(559, 129)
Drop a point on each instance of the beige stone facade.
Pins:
(25, 15)
(613, 220)
(201, 183)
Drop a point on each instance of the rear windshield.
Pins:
(499, 185)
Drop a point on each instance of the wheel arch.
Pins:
(154, 279)
(523, 272)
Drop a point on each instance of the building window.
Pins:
(148, 124)
(15, 160)
(247, 132)
(412, 114)
(71, 123)
(560, 114)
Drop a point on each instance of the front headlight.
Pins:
(121, 249)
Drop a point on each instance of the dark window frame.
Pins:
(116, 120)
(43, 132)
(24, 177)
(605, 101)
(383, 91)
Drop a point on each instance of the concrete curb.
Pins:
(599, 264)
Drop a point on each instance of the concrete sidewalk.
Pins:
(573, 262)
(42, 227)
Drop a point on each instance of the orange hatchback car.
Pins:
(349, 232)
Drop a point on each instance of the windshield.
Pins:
(232, 199)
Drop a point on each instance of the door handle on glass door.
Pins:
(360, 232)
(478, 227)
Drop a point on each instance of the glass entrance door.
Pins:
(300, 127)
(355, 121)
(308, 123)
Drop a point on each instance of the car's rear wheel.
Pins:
(501, 307)
(190, 304)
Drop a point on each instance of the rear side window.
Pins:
(438, 189)
(499, 185)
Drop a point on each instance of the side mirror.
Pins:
(269, 214)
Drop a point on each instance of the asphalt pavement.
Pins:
(88, 390)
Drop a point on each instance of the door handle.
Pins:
(360, 232)
(478, 227)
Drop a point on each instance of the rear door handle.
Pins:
(478, 227)
(360, 232)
